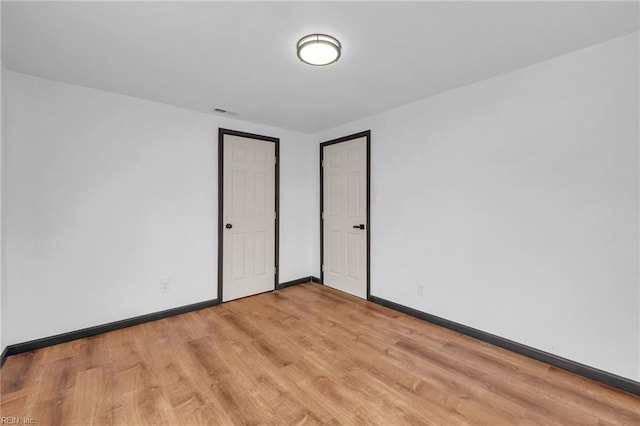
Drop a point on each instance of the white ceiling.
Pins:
(241, 56)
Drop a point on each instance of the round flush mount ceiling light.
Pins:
(319, 49)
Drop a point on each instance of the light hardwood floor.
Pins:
(303, 355)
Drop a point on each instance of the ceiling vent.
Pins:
(223, 111)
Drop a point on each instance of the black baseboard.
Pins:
(316, 280)
(4, 356)
(32, 345)
(298, 281)
(601, 376)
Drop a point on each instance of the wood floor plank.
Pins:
(87, 398)
(303, 355)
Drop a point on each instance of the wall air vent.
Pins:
(223, 111)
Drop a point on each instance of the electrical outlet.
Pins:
(165, 285)
(421, 290)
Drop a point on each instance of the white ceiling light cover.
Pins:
(319, 49)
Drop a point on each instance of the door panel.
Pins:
(260, 253)
(261, 180)
(354, 242)
(237, 192)
(248, 217)
(238, 264)
(344, 183)
(353, 195)
(335, 252)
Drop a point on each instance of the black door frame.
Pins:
(367, 134)
(221, 133)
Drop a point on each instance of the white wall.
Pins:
(106, 195)
(2, 129)
(515, 202)
(2, 204)
(2, 169)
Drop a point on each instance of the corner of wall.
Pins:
(314, 224)
(638, 230)
(3, 95)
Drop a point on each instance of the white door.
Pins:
(248, 259)
(345, 224)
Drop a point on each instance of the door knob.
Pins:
(228, 226)
(361, 226)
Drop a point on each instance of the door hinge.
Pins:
(275, 271)
(322, 163)
(323, 267)
(322, 215)
(275, 160)
(275, 215)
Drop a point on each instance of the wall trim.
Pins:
(3, 356)
(593, 373)
(297, 282)
(32, 345)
